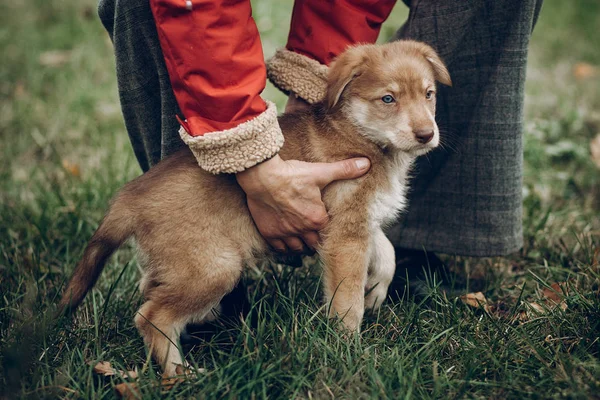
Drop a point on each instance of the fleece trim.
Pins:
(236, 149)
(295, 73)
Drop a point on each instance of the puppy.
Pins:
(196, 235)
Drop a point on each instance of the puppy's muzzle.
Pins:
(424, 136)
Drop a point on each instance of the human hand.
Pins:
(284, 198)
(295, 103)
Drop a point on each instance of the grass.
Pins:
(64, 152)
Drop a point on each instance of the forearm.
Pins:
(215, 62)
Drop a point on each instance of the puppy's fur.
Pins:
(196, 234)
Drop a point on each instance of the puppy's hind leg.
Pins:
(187, 293)
(381, 270)
(160, 328)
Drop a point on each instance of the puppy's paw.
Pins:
(349, 321)
(374, 297)
(184, 370)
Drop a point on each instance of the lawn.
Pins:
(534, 333)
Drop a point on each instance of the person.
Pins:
(201, 60)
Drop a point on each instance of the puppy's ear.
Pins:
(344, 68)
(439, 68)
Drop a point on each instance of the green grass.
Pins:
(437, 347)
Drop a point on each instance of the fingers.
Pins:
(306, 244)
(278, 245)
(345, 169)
(311, 239)
(294, 244)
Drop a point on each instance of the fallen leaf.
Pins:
(104, 368)
(474, 299)
(169, 383)
(535, 307)
(595, 150)
(128, 390)
(71, 168)
(555, 295)
(522, 316)
(54, 58)
(555, 292)
(531, 311)
(584, 70)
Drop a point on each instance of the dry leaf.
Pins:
(128, 390)
(595, 150)
(474, 299)
(169, 383)
(532, 310)
(555, 296)
(584, 71)
(555, 292)
(104, 368)
(54, 58)
(522, 316)
(71, 168)
(535, 307)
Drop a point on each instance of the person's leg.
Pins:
(147, 100)
(466, 197)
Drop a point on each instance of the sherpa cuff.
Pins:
(303, 76)
(236, 149)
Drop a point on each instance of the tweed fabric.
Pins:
(466, 198)
(147, 101)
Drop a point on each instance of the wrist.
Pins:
(253, 177)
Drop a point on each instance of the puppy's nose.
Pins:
(424, 135)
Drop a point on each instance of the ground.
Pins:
(534, 333)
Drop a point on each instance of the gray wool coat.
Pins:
(466, 196)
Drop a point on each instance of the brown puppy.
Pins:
(194, 230)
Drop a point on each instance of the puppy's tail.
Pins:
(115, 228)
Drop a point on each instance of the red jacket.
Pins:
(214, 56)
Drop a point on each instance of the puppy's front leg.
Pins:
(381, 270)
(345, 274)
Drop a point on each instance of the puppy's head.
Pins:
(389, 92)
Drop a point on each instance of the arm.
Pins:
(320, 30)
(215, 61)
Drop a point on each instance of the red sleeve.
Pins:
(323, 29)
(215, 61)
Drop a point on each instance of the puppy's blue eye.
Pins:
(387, 99)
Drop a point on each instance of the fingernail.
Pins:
(362, 163)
